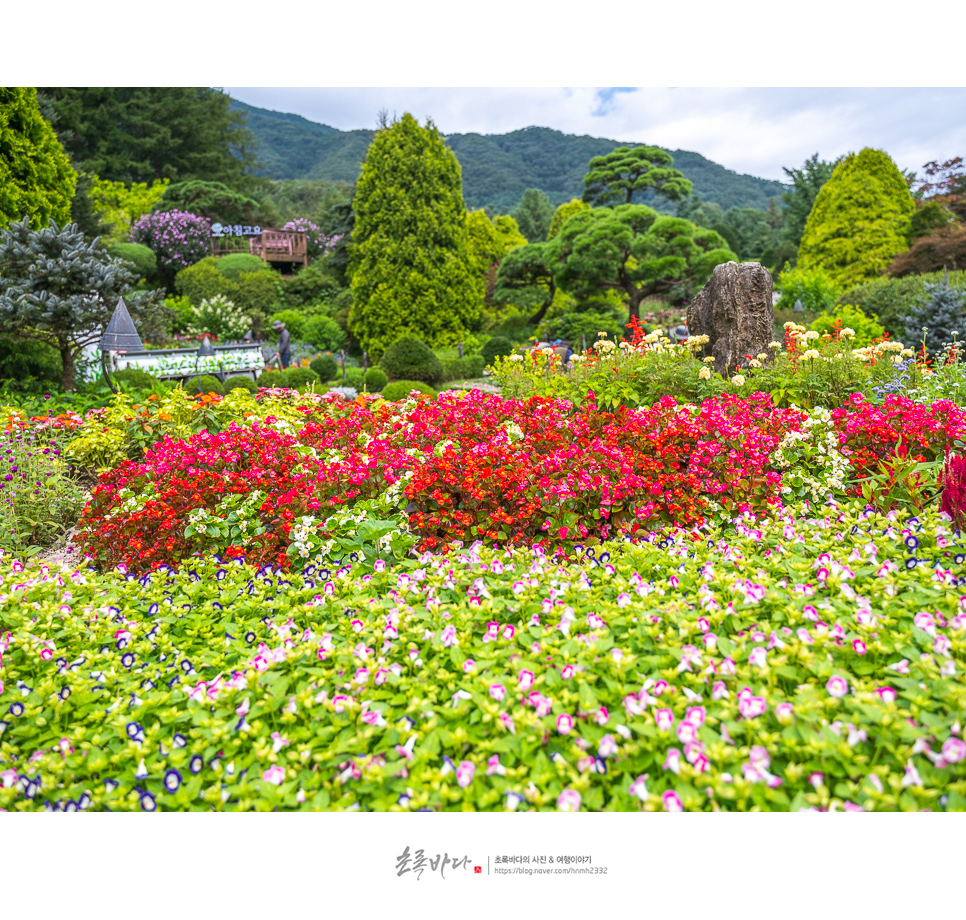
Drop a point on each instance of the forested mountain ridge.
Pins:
(497, 168)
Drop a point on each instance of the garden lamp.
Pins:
(120, 335)
(207, 349)
(798, 308)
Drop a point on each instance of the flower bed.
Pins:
(796, 662)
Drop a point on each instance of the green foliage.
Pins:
(860, 219)
(203, 280)
(851, 317)
(930, 216)
(119, 206)
(204, 383)
(939, 318)
(140, 134)
(47, 278)
(271, 378)
(36, 178)
(326, 367)
(240, 382)
(183, 312)
(400, 389)
(575, 327)
(29, 366)
(561, 215)
(299, 378)
(133, 378)
(294, 322)
(495, 346)
(891, 299)
(814, 287)
(235, 264)
(213, 200)
(410, 359)
(375, 379)
(323, 332)
(614, 179)
(533, 215)
(410, 262)
(490, 240)
(633, 250)
(528, 271)
(141, 258)
(314, 284)
(797, 204)
(221, 318)
(355, 377)
(469, 367)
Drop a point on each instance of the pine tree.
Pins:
(36, 179)
(565, 211)
(859, 221)
(941, 312)
(410, 265)
(58, 288)
(533, 215)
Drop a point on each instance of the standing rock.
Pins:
(734, 309)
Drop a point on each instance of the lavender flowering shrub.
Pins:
(178, 239)
(319, 244)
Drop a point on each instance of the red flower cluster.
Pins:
(478, 467)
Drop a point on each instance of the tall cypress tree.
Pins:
(36, 179)
(410, 266)
(859, 221)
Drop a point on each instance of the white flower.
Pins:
(704, 373)
(738, 380)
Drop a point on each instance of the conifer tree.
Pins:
(410, 266)
(859, 221)
(938, 318)
(564, 212)
(36, 178)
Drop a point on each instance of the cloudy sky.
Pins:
(753, 130)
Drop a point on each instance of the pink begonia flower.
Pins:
(508, 723)
(607, 747)
(809, 612)
(639, 788)
(526, 679)
(710, 640)
(260, 663)
(465, 773)
(758, 657)
(469, 665)
(696, 715)
(887, 694)
(704, 624)
(837, 632)
(617, 654)
(925, 622)
(379, 565)
(568, 671)
(361, 676)
(278, 742)
(837, 686)
(729, 667)
(660, 687)
(664, 719)
(493, 765)
(492, 631)
(274, 775)
(719, 691)
(875, 782)
(948, 668)
(602, 716)
(374, 717)
(673, 761)
(912, 777)
(595, 622)
(46, 654)
(509, 631)
(942, 645)
(498, 692)
(9, 777)
(569, 800)
(816, 780)
(856, 735)
(585, 763)
(751, 707)
(380, 676)
(900, 667)
(356, 625)
(623, 599)
(243, 707)
(565, 723)
(686, 732)
(448, 637)
(672, 801)
(693, 750)
(339, 703)
(954, 750)
(851, 806)
(858, 646)
(785, 712)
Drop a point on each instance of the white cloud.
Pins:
(750, 130)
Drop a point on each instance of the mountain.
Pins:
(497, 168)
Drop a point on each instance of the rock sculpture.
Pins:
(734, 309)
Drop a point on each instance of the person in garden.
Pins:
(284, 350)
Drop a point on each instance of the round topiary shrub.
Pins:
(375, 379)
(355, 377)
(143, 259)
(326, 367)
(410, 359)
(498, 345)
(133, 378)
(299, 378)
(232, 265)
(206, 383)
(400, 389)
(271, 379)
(240, 383)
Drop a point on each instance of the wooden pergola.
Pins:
(270, 246)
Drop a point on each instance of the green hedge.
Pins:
(497, 345)
(467, 368)
(299, 378)
(400, 389)
(375, 379)
(143, 259)
(326, 367)
(206, 383)
(410, 359)
(239, 382)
